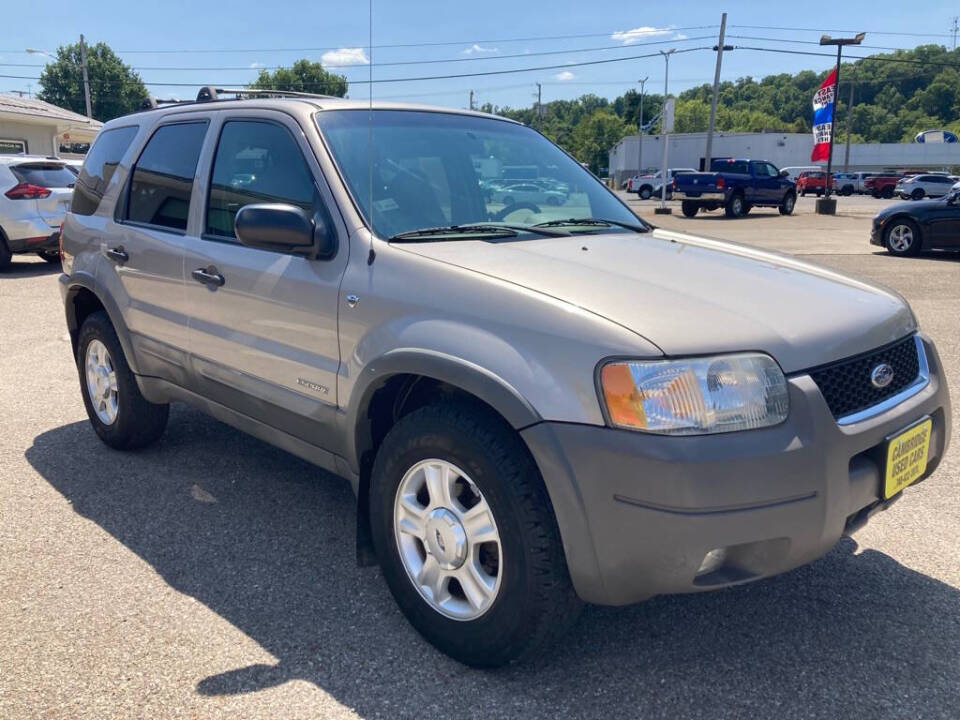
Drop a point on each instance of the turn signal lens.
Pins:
(697, 396)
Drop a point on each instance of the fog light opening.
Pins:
(712, 560)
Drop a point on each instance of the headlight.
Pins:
(697, 396)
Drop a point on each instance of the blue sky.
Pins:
(239, 36)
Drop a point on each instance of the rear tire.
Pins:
(533, 598)
(645, 192)
(120, 415)
(788, 203)
(886, 193)
(689, 208)
(902, 237)
(735, 206)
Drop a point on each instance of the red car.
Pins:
(813, 181)
(882, 185)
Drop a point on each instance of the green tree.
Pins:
(304, 76)
(115, 89)
(593, 137)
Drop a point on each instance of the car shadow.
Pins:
(23, 268)
(267, 542)
(928, 255)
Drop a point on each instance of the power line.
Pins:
(874, 58)
(820, 30)
(408, 62)
(432, 77)
(809, 42)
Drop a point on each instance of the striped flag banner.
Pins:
(823, 102)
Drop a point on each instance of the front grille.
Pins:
(846, 384)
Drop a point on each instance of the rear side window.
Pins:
(256, 162)
(162, 179)
(98, 168)
(48, 175)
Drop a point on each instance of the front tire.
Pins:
(788, 203)
(689, 208)
(902, 237)
(917, 194)
(470, 548)
(886, 193)
(119, 413)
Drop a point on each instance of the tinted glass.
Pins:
(163, 176)
(431, 169)
(12, 147)
(735, 166)
(256, 162)
(762, 170)
(98, 168)
(48, 175)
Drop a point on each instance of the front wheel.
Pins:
(886, 193)
(917, 194)
(689, 208)
(902, 237)
(119, 413)
(788, 203)
(466, 537)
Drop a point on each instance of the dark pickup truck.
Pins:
(736, 186)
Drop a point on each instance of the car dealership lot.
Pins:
(214, 576)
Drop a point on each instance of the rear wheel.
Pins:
(735, 206)
(788, 203)
(466, 537)
(902, 237)
(689, 208)
(645, 192)
(50, 255)
(119, 413)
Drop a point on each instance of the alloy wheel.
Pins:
(447, 539)
(901, 238)
(102, 382)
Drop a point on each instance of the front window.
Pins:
(431, 169)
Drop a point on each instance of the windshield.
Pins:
(434, 169)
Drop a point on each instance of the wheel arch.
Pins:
(83, 296)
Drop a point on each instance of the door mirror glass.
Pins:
(784, 173)
(274, 226)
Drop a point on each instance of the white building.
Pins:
(782, 149)
(32, 126)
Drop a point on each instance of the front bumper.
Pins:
(639, 513)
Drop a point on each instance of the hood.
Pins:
(909, 207)
(690, 295)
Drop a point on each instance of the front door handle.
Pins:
(118, 254)
(208, 276)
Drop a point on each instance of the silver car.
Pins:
(533, 411)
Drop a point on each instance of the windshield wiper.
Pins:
(592, 221)
(498, 229)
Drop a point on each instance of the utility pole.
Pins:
(955, 29)
(716, 89)
(846, 152)
(664, 134)
(471, 99)
(643, 83)
(86, 80)
(539, 108)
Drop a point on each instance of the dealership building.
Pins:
(782, 149)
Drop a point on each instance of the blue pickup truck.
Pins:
(736, 186)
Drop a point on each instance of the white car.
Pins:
(528, 192)
(917, 187)
(35, 194)
(649, 185)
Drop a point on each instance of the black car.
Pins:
(909, 227)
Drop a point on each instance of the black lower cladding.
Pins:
(846, 384)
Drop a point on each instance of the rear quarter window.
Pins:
(48, 175)
(99, 166)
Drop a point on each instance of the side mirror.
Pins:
(784, 173)
(282, 227)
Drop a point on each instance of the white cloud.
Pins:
(564, 76)
(344, 56)
(256, 65)
(628, 37)
(479, 50)
(679, 36)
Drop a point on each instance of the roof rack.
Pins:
(209, 93)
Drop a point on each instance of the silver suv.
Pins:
(536, 404)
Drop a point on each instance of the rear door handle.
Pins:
(208, 276)
(118, 254)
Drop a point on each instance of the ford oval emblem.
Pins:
(881, 376)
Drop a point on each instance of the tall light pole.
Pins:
(83, 67)
(642, 82)
(827, 205)
(666, 121)
(720, 47)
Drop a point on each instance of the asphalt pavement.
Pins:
(212, 576)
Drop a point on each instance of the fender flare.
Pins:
(85, 281)
(463, 374)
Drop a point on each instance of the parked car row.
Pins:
(647, 186)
